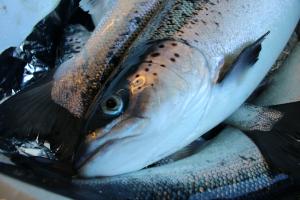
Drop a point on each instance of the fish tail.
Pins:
(281, 144)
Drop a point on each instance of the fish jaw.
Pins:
(163, 113)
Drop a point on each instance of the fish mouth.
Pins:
(98, 143)
(84, 155)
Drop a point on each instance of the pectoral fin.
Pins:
(247, 57)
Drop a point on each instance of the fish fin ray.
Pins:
(251, 117)
(281, 145)
(247, 57)
(32, 113)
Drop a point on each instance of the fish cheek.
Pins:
(142, 92)
(139, 103)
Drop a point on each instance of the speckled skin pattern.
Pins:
(230, 167)
(173, 87)
(78, 80)
(209, 25)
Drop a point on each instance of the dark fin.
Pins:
(213, 132)
(247, 57)
(281, 145)
(32, 113)
(251, 117)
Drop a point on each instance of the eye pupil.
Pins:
(112, 106)
(111, 103)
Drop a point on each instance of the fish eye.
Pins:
(112, 105)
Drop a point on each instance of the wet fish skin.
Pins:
(173, 98)
(230, 166)
(77, 81)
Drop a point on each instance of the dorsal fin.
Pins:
(246, 58)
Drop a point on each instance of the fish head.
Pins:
(147, 111)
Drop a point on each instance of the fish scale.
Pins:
(166, 115)
(78, 80)
(241, 174)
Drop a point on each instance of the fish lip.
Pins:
(83, 156)
(82, 162)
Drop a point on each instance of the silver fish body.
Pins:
(164, 96)
(229, 167)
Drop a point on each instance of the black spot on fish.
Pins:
(174, 44)
(138, 20)
(176, 55)
(196, 41)
(155, 74)
(173, 59)
(147, 69)
(204, 22)
(161, 46)
(155, 54)
(243, 157)
(163, 65)
(137, 75)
